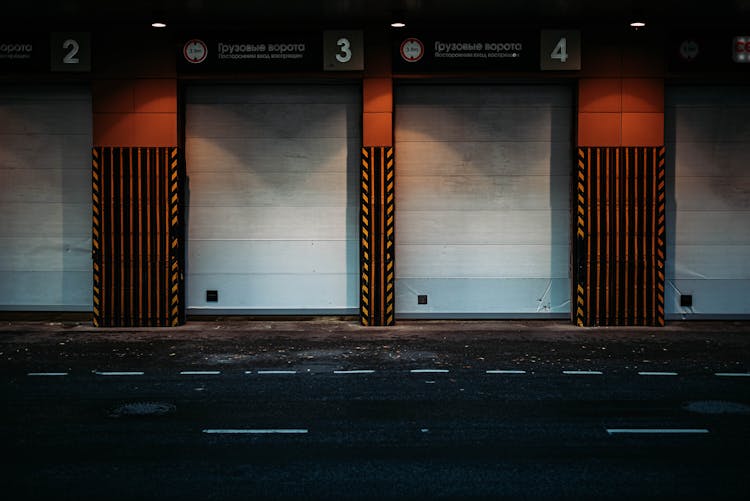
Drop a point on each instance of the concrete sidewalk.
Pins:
(344, 327)
(325, 343)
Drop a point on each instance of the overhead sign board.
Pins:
(343, 51)
(70, 52)
(708, 51)
(335, 50)
(250, 52)
(560, 50)
(22, 52)
(36, 52)
(499, 50)
(741, 49)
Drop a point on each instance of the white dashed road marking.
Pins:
(583, 373)
(733, 374)
(234, 431)
(200, 373)
(657, 431)
(47, 374)
(429, 371)
(505, 372)
(277, 372)
(126, 373)
(657, 373)
(363, 371)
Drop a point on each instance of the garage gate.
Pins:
(482, 210)
(273, 198)
(708, 258)
(45, 198)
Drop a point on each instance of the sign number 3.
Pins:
(345, 50)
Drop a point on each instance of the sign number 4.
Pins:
(560, 52)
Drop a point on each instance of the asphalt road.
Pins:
(440, 415)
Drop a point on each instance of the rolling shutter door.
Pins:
(482, 210)
(45, 198)
(273, 198)
(708, 257)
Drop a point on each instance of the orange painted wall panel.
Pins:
(642, 95)
(377, 94)
(600, 95)
(377, 129)
(112, 96)
(113, 129)
(156, 95)
(599, 129)
(642, 129)
(155, 129)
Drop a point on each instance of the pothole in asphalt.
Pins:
(717, 407)
(143, 409)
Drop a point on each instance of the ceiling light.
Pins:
(637, 24)
(398, 24)
(158, 24)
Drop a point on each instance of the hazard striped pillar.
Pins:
(137, 236)
(377, 186)
(377, 234)
(620, 243)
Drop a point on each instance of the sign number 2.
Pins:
(70, 51)
(72, 47)
(345, 50)
(560, 52)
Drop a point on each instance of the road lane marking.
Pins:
(733, 374)
(234, 431)
(583, 373)
(505, 372)
(657, 431)
(361, 371)
(121, 373)
(47, 374)
(429, 371)
(277, 372)
(657, 373)
(200, 373)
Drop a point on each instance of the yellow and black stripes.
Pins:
(138, 237)
(619, 248)
(377, 233)
(661, 232)
(176, 234)
(96, 233)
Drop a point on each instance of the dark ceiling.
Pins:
(230, 12)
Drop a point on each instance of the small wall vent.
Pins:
(212, 296)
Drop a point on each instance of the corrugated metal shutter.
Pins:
(273, 198)
(708, 217)
(45, 198)
(482, 200)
